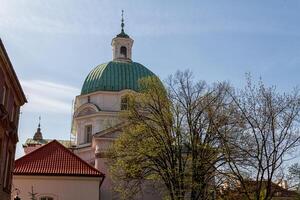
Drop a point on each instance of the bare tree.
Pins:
(172, 137)
(266, 132)
(32, 194)
(203, 111)
(294, 176)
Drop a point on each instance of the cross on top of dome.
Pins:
(122, 45)
(122, 34)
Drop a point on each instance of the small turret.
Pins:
(38, 134)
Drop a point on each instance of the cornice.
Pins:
(122, 92)
(12, 74)
(100, 113)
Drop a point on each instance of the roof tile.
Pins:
(54, 159)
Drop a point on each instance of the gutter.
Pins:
(102, 179)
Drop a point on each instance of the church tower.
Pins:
(96, 121)
(38, 140)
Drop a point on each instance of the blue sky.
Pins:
(54, 44)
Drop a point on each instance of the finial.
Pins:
(122, 24)
(39, 126)
(38, 134)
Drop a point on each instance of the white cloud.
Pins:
(57, 17)
(44, 96)
(100, 18)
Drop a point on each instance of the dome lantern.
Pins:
(122, 45)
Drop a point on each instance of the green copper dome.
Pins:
(115, 76)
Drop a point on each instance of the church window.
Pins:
(123, 51)
(46, 198)
(88, 134)
(124, 103)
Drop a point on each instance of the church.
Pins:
(96, 120)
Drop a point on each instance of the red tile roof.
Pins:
(55, 160)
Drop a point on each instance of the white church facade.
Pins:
(96, 121)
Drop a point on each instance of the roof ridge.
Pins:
(30, 153)
(12, 71)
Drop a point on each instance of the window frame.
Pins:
(3, 100)
(1, 157)
(124, 102)
(13, 113)
(123, 51)
(88, 132)
(46, 198)
(7, 170)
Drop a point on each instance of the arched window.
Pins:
(124, 103)
(123, 51)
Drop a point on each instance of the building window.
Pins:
(4, 95)
(12, 114)
(123, 51)
(88, 134)
(17, 114)
(124, 103)
(46, 198)
(1, 161)
(7, 171)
